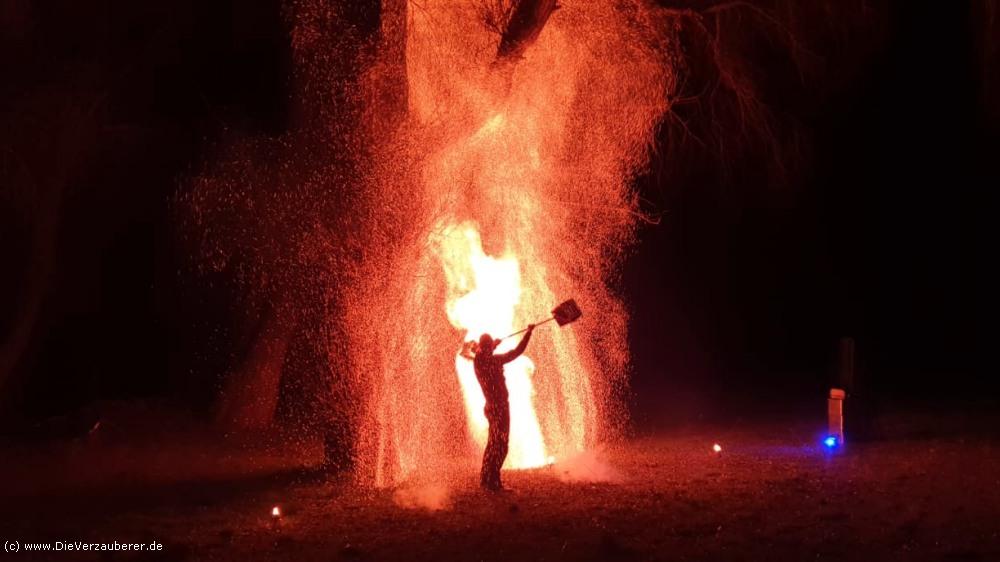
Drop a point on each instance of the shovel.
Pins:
(563, 314)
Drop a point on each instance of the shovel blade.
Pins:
(566, 312)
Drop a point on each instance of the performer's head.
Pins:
(486, 343)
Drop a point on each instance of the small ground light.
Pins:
(276, 512)
(717, 448)
(831, 441)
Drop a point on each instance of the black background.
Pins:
(738, 296)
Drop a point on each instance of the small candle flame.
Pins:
(276, 512)
(717, 448)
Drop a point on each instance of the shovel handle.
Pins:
(525, 329)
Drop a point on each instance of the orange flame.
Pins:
(485, 292)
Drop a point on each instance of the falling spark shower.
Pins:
(501, 188)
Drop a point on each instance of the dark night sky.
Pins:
(884, 238)
(743, 289)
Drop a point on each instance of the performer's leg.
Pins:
(488, 478)
(502, 423)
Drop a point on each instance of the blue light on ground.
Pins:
(831, 441)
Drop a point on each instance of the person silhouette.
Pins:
(489, 373)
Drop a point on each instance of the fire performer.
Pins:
(489, 372)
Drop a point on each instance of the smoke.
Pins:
(432, 497)
(589, 466)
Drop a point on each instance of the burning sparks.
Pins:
(505, 184)
(490, 128)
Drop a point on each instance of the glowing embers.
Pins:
(539, 156)
(491, 127)
(483, 294)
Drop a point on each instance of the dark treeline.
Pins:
(878, 230)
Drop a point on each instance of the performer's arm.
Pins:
(517, 351)
(469, 351)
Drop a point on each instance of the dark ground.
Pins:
(928, 490)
